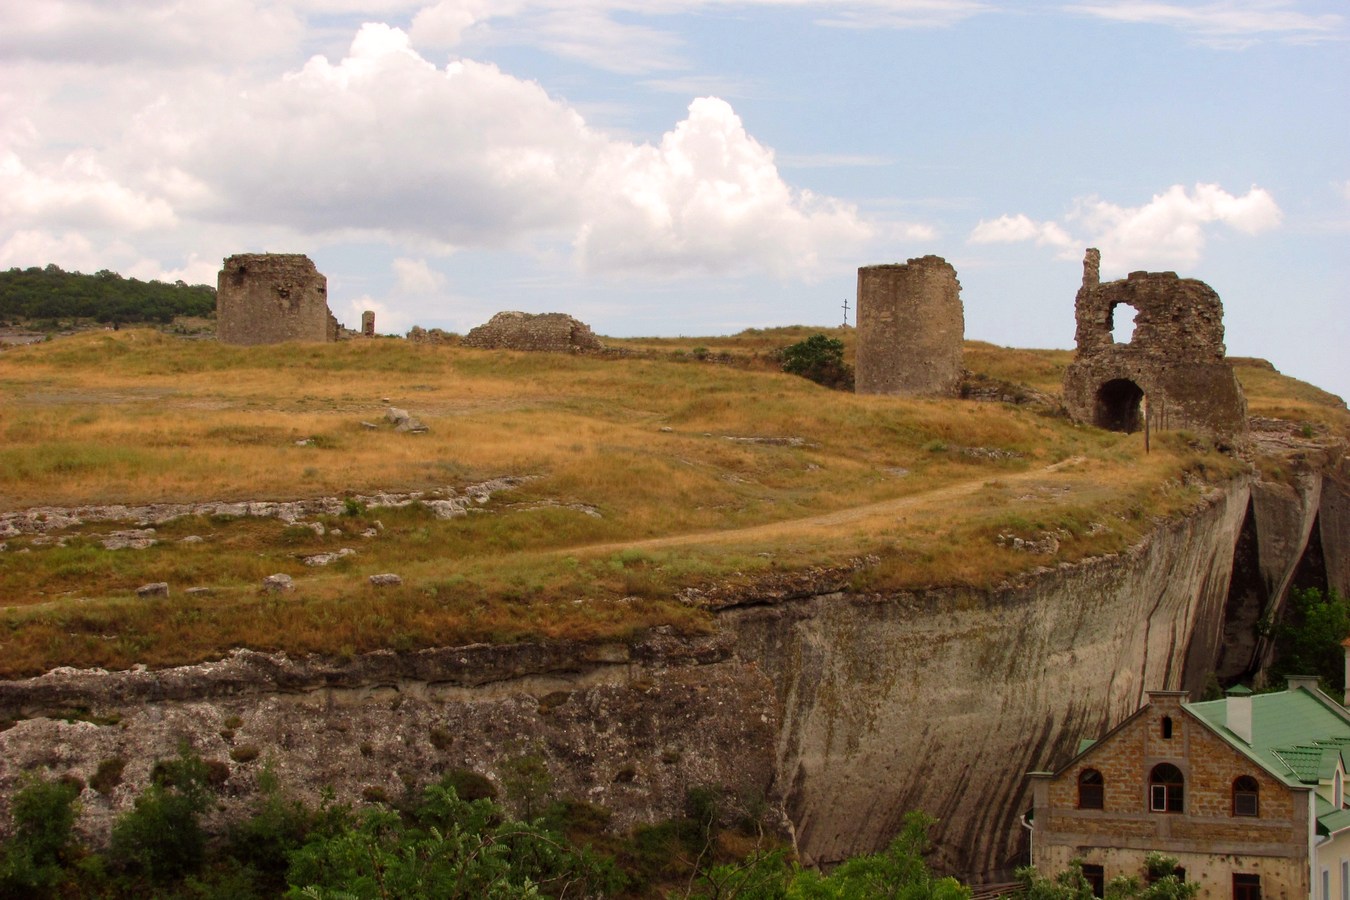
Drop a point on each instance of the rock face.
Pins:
(843, 710)
(910, 328)
(1175, 358)
(524, 331)
(270, 298)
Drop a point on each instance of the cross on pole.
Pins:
(845, 311)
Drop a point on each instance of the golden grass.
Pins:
(656, 444)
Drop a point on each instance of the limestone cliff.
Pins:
(845, 710)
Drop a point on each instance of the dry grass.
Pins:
(654, 444)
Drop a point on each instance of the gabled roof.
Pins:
(1297, 735)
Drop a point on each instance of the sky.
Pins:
(696, 167)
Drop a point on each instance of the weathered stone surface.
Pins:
(387, 579)
(269, 298)
(525, 331)
(910, 329)
(627, 727)
(323, 559)
(278, 583)
(435, 336)
(368, 323)
(154, 589)
(1175, 358)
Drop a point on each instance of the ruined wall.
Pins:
(910, 328)
(368, 323)
(524, 331)
(1175, 358)
(269, 298)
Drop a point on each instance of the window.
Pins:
(1095, 876)
(1246, 796)
(1345, 880)
(1326, 884)
(1090, 789)
(1166, 789)
(1167, 727)
(1246, 887)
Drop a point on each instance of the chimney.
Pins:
(1238, 704)
(1307, 682)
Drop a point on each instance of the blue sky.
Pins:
(696, 166)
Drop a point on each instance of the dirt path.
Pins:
(885, 509)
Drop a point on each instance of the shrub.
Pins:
(31, 861)
(820, 359)
(161, 837)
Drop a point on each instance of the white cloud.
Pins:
(78, 192)
(1012, 229)
(708, 198)
(1342, 188)
(414, 276)
(384, 142)
(70, 250)
(1170, 228)
(905, 13)
(153, 32)
(388, 319)
(1229, 23)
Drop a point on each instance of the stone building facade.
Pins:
(526, 331)
(270, 298)
(911, 325)
(1190, 781)
(1173, 369)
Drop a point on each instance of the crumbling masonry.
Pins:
(524, 331)
(1171, 375)
(910, 328)
(269, 298)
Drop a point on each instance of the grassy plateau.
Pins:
(684, 463)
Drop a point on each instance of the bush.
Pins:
(31, 861)
(821, 359)
(161, 837)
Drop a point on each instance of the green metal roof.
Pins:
(1297, 735)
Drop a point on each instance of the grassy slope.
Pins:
(925, 487)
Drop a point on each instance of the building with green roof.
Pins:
(1246, 792)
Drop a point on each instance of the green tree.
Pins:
(161, 837)
(41, 844)
(1309, 635)
(821, 359)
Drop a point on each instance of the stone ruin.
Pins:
(526, 331)
(1171, 375)
(368, 323)
(269, 298)
(910, 328)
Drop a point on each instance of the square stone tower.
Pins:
(269, 298)
(910, 328)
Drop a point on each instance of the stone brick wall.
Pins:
(1175, 359)
(269, 298)
(1210, 842)
(910, 328)
(525, 331)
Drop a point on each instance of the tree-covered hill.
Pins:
(50, 293)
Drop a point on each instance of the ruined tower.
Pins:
(910, 328)
(268, 298)
(1172, 370)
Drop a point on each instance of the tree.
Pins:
(821, 359)
(32, 860)
(1309, 635)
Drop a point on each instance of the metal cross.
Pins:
(845, 311)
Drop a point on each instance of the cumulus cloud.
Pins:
(708, 197)
(1011, 229)
(1170, 228)
(414, 276)
(1231, 23)
(79, 192)
(386, 142)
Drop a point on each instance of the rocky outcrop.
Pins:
(845, 710)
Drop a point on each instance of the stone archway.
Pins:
(1118, 406)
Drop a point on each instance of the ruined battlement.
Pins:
(270, 298)
(911, 325)
(526, 331)
(1171, 374)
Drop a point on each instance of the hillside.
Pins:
(44, 297)
(638, 477)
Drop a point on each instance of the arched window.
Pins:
(1090, 789)
(1166, 789)
(1246, 796)
(1167, 727)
